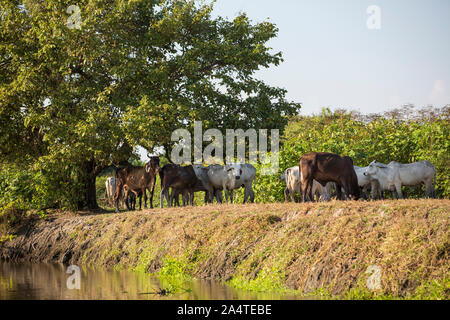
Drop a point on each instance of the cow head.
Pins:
(153, 165)
(373, 168)
(231, 173)
(237, 170)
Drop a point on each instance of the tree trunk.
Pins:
(91, 193)
(88, 177)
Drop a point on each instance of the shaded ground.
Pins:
(312, 248)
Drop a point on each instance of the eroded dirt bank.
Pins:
(329, 247)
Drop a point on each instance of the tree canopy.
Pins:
(76, 100)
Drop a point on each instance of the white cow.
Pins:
(110, 185)
(293, 177)
(245, 175)
(367, 183)
(222, 178)
(395, 175)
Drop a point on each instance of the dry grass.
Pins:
(311, 248)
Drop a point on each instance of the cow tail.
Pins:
(161, 176)
(434, 184)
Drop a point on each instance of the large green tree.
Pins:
(81, 89)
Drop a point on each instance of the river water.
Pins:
(41, 281)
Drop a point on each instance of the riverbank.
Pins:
(323, 249)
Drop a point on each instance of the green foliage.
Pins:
(7, 237)
(173, 275)
(268, 280)
(29, 188)
(433, 290)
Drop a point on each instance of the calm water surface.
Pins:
(49, 282)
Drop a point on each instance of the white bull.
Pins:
(293, 178)
(395, 175)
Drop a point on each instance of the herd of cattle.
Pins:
(318, 176)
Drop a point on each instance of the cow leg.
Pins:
(126, 194)
(286, 194)
(304, 190)
(151, 190)
(428, 189)
(433, 191)
(186, 197)
(304, 187)
(310, 187)
(348, 190)
(176, 202)
(398, 188)
(307, 191)
(117, 195)
(298, 189)
(210, 193)
(339, 191)
(162, 197)
(226, 195)
(219, 196)
(167, 195)
(252, 194)
(246, 194)
(183, 198)
(292, 193)
(192, 197)
(209, 196)
(133, 200)
(172, 197)
(345, 186)
(143, 193)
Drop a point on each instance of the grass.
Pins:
(322, 250)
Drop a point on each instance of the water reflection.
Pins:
(48, 282)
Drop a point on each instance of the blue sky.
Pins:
(332, 59)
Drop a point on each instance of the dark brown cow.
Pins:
(137, 179)
(203, 185)
(181, 179)
(328, 167)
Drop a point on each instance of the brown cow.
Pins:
(137, 179)
(181, 179)
(328, 167)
